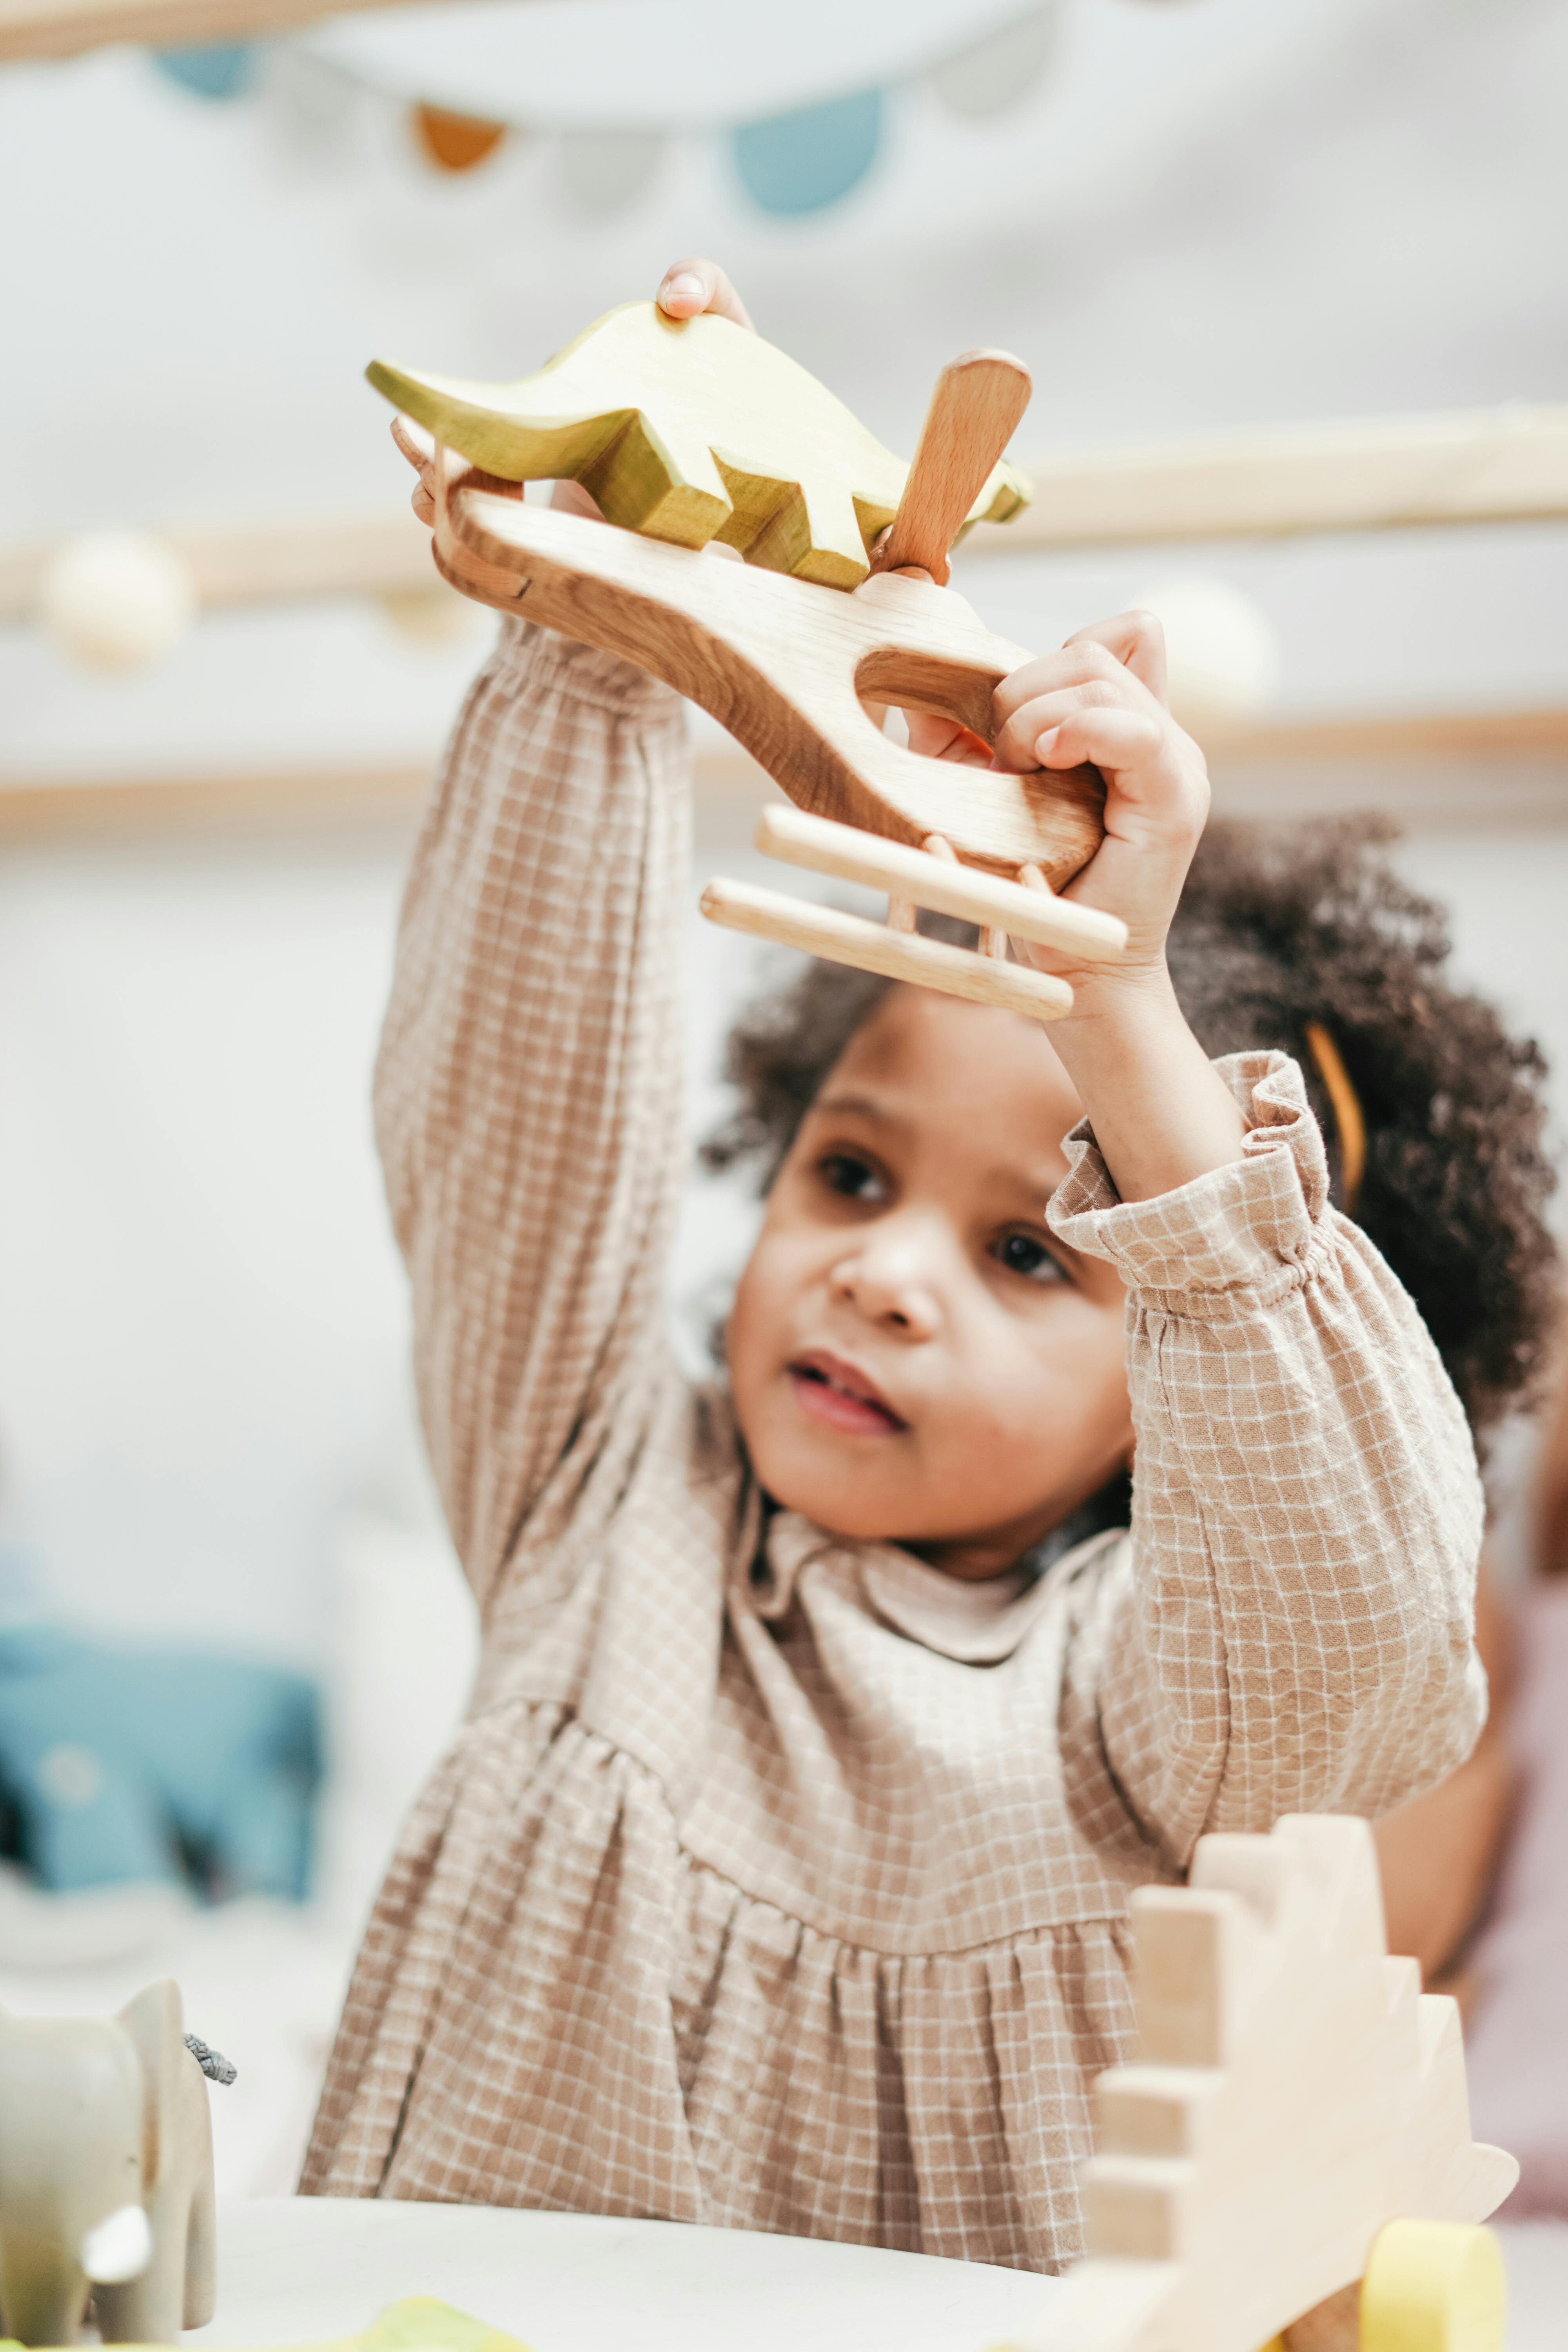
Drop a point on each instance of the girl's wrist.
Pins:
(1137, 994)
(1160, 1112)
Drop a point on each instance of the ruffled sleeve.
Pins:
(1291, 1629)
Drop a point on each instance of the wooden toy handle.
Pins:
(974, 413)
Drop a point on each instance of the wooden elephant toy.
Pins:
(106, 2176)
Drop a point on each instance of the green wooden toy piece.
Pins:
(690, 430)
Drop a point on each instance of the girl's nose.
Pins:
(889, 1277)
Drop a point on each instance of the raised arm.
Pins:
(528, 1091)
(1291, 1629)
(528, 1087)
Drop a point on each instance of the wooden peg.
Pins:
(841, 938)
(933, 878)
(974, 413)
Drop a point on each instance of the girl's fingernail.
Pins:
(682, 287)
(1045, 744)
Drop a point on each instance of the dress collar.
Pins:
(979, 1624)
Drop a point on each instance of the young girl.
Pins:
(779, 1876)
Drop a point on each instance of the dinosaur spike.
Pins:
(1136, 2208)
(1263, 1871)
(1342, 1861)
(1153, 2110)
(1194, 1956)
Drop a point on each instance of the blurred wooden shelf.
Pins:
(1480, 764)
(78, 808)
(1506, 465)
(66, 28)
(271, 562)
(1395, 473)
(1480, 735)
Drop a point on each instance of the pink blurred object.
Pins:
(1518, 2044)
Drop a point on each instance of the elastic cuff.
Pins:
(1253, 1226)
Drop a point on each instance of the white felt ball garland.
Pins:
(118, 600)
(1222, 656)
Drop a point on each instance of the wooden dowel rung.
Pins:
(937, 880)
(872, 947)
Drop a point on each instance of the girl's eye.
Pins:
(854, 1178)
(1022, 1254)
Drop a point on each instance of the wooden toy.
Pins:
(691, 430)
(106, 2176)
(718, 438)
(1287, 2162)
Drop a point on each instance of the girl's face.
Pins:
(915, 1357)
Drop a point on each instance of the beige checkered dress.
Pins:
(777, 1881)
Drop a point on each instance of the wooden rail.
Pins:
(1397, 472)
(1495, 465)
(66, 28)
(1512, 742)
(268, 562)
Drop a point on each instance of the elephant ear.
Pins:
(155, 2021)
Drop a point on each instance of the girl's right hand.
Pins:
(689, 288)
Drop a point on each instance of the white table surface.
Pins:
(295, 2269)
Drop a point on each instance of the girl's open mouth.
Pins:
(833, 1391)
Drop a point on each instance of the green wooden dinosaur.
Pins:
(690, 430)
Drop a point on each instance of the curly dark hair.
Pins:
(1279, 927)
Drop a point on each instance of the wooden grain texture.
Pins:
(688, 430)
(1293, 2093)
(783, 665)
(841, 938)
(974, 413)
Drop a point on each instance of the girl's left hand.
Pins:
(1102, 699)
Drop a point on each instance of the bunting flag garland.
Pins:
(597, 77)
(220, 70)
(455, 143)
(802, 162)
(1001, 70)
(602, 172)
